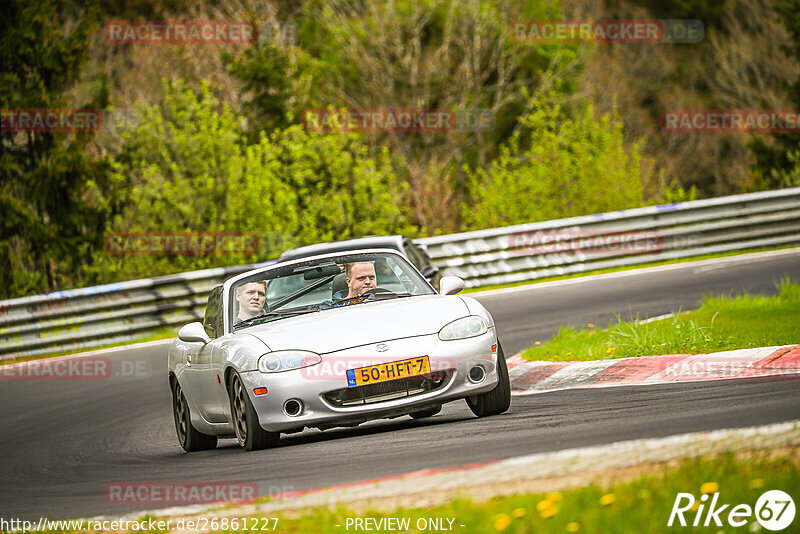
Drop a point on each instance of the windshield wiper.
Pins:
(387, 296)
(276, 313)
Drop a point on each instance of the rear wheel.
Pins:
(497, 400)
(188, 436)
(245, 420)
(426, 413)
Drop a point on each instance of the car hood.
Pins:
(361, 324)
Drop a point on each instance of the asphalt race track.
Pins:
(528, 314)
(63, 441)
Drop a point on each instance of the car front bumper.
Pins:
(308, 385)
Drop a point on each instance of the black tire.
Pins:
(188, 436)
(245, 420)
(498, 400)
(426, 413)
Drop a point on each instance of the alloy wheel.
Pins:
(239, 405)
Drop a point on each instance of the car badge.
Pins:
(381, 347)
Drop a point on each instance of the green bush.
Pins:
(562, 165)
(316, 187)
(188, 167)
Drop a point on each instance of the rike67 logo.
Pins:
(774, 510)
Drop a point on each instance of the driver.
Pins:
(251, 298)
(360, 277)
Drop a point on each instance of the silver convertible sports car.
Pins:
(329, 341)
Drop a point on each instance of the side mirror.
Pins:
(450, 285)
(193, 333)
(429, 271)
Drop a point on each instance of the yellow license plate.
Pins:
(388, 371)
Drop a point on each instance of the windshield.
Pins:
(325, 284)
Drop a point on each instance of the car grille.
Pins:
(386, 391)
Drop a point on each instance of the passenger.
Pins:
(251, 298)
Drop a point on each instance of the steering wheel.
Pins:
(376, 291)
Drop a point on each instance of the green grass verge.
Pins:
(643, 505)
(626, 268)
(642, 501)
(721, 323)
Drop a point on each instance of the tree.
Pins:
(318, 187)
(264, 70)
(52, 192)
(453, 55)
(777, 159)
(567, 165)
(191, 168)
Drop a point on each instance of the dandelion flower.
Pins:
(591, 325)
(709, 487)
(550, 512)
(501, 522)
(544, 505)
(756, 483)
(573, 527)
(518, 512)
(607, 499)
(555, 496)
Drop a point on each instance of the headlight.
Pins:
(471, 326)
(286, 360)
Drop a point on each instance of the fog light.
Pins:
(476, 374)
(293, 407)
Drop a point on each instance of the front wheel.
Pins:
(245, 420)
(497, 400)
(188, 436)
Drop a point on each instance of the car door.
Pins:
(199, 377)
(210, 371)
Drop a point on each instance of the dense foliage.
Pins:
(219, 144)
(55, 194)
(188, 166)
(568, 166)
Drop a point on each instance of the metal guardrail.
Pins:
(88, 317)
(620, 238)
(101, 315)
